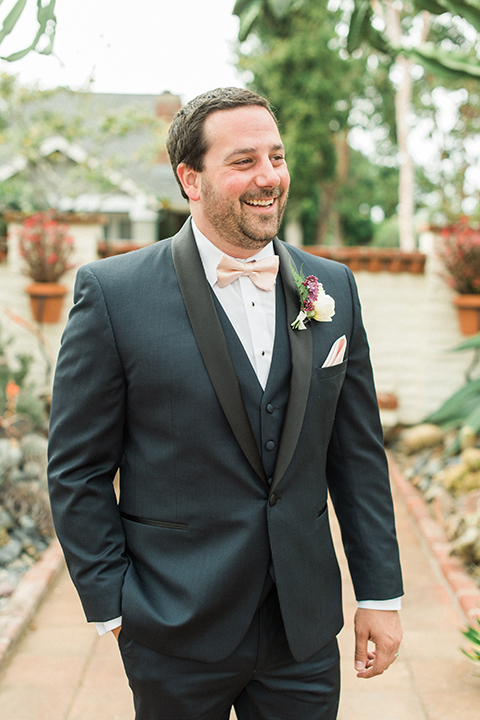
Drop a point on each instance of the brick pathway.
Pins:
(62, 670)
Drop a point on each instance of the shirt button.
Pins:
(270, 445)
(272, 500)
(270, 408)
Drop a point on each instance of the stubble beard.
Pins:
(232, 224)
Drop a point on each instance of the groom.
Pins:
(180, 367)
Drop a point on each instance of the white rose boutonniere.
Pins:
(315, 304)
(324, 307)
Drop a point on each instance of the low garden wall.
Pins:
(407, 308)
(411, 324)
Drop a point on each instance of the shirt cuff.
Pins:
(104, 627)
(393, 604)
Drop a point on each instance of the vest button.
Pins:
(270, 408)
(272, 500)
(270, 445)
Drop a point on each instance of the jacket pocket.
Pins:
(323, 373)
(154, 523)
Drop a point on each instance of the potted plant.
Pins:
(460, 253)
(46, 247)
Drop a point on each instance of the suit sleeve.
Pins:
(357, 474)
(85, 446)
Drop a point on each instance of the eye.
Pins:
(244, 161)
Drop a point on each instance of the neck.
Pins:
(242, 251)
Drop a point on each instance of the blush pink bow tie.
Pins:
(261, 272)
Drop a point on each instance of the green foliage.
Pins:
(367, 185)
(443, 185)
(316, 92)
(254, 13)
(386, 233)
(29, 117)
(461, 411)
(448, 62)
(15, 369)
(310, 87)
(46, 21)
(473, 636)
(7, 373)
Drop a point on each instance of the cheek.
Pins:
(285, 178)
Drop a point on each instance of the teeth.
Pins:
(262, 203)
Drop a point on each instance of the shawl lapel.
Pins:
(211, 341)
(301, 347)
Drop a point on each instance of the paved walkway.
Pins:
(63, 671)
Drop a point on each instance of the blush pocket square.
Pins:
(337, 352)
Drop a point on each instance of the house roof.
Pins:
(131, 161)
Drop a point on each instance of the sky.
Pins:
(131, 46)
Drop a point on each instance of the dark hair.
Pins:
(186, 142)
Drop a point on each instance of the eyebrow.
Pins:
(250, 150)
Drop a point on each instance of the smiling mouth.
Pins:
(266, 203)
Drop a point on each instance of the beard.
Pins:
(232, 221)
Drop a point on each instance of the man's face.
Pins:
(243, 186)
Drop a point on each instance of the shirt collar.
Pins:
(210, 255)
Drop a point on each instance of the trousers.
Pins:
(261, 679)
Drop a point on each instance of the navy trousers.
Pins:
(260, 679)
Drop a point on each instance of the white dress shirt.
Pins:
(252, 314)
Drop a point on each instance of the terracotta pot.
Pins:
(468, 309)
(46, 300)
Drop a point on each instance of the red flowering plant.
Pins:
(46, 247)
(460, 253)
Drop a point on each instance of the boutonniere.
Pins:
(315, 304)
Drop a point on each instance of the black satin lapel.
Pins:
(211, 341)
(301, 347)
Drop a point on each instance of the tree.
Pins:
(441, 35)
(44, 36)
(314, 91)
(368, 24)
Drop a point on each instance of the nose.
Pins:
(267, 175)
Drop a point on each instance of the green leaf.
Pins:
(359, 25)
(12, 18)
(378, 42)
(44, 16)
(299, 279)
(248, 19)
(438, 61)
(455, 403)
(472, 635)
(472, 343)
(465, 10)
(280, 8)
(241, 5)
(431, 6)
(473, 419)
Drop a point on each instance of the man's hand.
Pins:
(116, 632)
(383, 628)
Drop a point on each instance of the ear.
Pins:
(190, 181)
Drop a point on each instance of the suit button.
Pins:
(270, 408)
(270, 445)
(272, 500)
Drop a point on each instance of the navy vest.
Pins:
(265, 409)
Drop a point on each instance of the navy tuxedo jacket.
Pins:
(145, 383)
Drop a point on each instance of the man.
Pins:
(228, 425)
